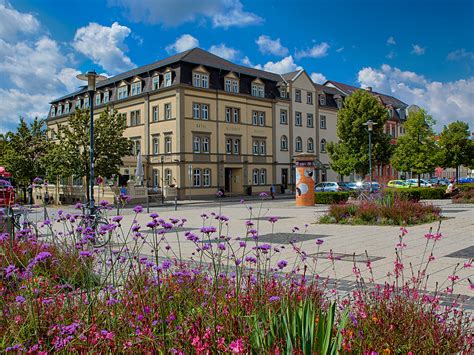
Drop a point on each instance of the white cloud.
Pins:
(104, 46)
(285, 65)
(221, 13)
(417, 49)
(339, 50)
(391, 41)
(317, 51)
(460, 54)
(182, 44)
(246, 61)
(223, 51)
(266, 45)
(13, 22)
(392, 54)
(445, 101)
(318, 78)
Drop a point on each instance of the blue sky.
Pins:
(419, 51)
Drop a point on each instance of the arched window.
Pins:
(255, 176)
(310, 145)
(197, 145)
(197, 177)
(206, 177)
(299, 144)
(284, 143)
(263, 176)
(323, 145)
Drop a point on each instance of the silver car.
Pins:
(327, 187)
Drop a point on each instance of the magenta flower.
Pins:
(273, 219)
(282, 264)
(274, 298)
(20, 299)
(208, 230)
(117, 219)
(138, 209)
(319, 241)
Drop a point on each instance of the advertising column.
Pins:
(305, 178)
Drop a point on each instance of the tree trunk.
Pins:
(457, 173)
(419, 179)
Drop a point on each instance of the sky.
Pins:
(420, 51)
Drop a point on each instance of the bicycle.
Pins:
(99, 224)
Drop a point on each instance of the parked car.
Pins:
(374, 185)
(346, 186)
(439, 181)
(398, 184)
(328, 187)
(466, 180)
(414, 183)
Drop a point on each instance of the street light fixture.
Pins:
(370, 127)
(92, 78)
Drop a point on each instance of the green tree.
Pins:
(351, 152)
(456, 146)
(110, 146)
(24, 150)
(416, 149)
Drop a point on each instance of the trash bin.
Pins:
(282, 189)
(249, 190)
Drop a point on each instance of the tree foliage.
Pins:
(416, 149)
(351, 152)
(110, 146)
(456, 147)
(23, 151)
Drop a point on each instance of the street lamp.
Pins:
(162, 181)
(92, 78)
(370, 126)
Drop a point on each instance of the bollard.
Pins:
(176, 203)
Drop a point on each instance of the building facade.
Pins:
(202, 123)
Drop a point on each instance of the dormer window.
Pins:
(78, 103)
(97, 98)
(122, 92)
(390, 112)
(136, 88)
(53, 111)
(283, 92)
(168, 80)
(322, 100)
(86, 102)
(106, 97)
(67, 107)
(155, 82)
(338, 99)
(231, 83)
(60, 110)
(197, 80)
(258, 90)
(201, 78)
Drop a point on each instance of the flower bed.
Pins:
(397, 212)
(233, 297)
(464, 196)
(327, 198)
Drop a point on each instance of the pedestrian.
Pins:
(272, 191)
(46, 198)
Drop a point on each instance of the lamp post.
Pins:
(92, 78)
(162, 181)
(370, 126)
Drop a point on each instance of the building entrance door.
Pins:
(228, 180)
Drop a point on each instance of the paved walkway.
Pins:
(454, 249)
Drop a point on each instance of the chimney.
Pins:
(369, 88)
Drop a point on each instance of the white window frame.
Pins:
(168, 79)
(298, 119)
(298, 144)
(155, 82)
(297, 95)
(53, 111)
(168, 111)
(322, 121)
(196, 177)
(309, 98)
(196, 111)
(323, 145)
(196, 80)
(86, 102)
(310, 145)
(155, 177)
(236, 115)
(255, 118)
(106, 96)
(155, 113)
(205, 145)
(168, 176)
(284, 142)
(236, 148)
(135, 118)
(283, 117)
(197, 144)
(228, 85)
(206, 177)
(263, 176)
(155, 145)
(97, 98)
(60, 110)
(258, 90)
(168, 144)
(263, 148)
(322, 100)
(204, 112)
(310, 120)
(235, 86)
(122, 92)
(136, 88)
(261, 118)
(205, 81)
(255, 147)
(228, 146)
(77, 104)
(255, 176)
(228, 114)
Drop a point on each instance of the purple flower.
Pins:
(263, 194)
(273, 219)
(20, 299)
(208, 230)
(151, 224)
(242, 244)
(166, 264)
(274, 298)
(85, 254)
(10, 270)
(138, 209)
(251, 259)
(221, 246)
(319, 241)
(42, 256)
(104, 203)
(136, 228)
(78, 206)
(117, 219)
(282, 264)
(154, 215)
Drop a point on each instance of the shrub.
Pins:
(399, 212)
(412, 194)
(465, 187)
(433, 193)
(327, 198)
(464, 196)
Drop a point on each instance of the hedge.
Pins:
(418, 193)
(327, 198)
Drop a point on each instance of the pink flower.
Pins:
(453, 278)
(237, 346)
